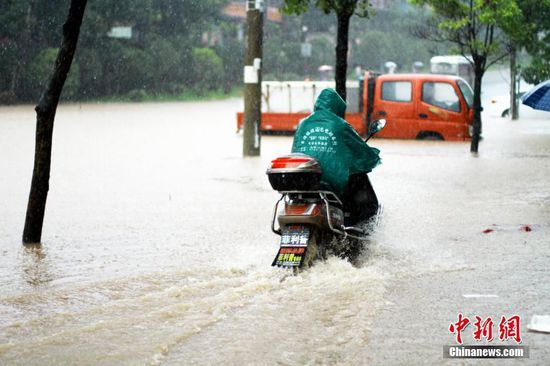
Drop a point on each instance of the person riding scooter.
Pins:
(345, 158)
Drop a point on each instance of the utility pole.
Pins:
(305, 51)
(253, 78)
(514, 79)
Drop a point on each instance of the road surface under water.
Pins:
(157, 245)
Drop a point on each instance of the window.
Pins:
(466, 92)
(441, 95)
(397, 91)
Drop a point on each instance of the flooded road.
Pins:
(157, 245)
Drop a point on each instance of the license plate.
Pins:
(292, 251)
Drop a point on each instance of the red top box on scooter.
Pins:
(295, 172)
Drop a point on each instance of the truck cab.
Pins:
(422, 106)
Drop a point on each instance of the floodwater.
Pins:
(157, 245)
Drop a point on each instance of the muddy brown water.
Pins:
(157, 244)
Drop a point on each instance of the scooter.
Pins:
(311, 221)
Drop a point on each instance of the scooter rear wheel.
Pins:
(316, 249)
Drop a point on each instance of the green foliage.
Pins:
(516, 23)
(157, 59)
(133, 68)
(12, 17)
(186, 95)
(137, 95)
(296, 6)
(207, 70)
(323, 50)
(282, 58)
(536, 39)
(91, 72)
(167, 54)
(378, 47)
(387, 37)
(344, 10)
(477, 28)
(373, 41)
(472, 24)
(537, 72)
(40, 69)
(232, 54)
(360, 8)
(167, 64)
(8, 61)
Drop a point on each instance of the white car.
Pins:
(499, 106)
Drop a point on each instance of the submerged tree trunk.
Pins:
(45, 115)
(478, 70)
(342, 54)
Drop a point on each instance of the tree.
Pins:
(23, 31)
(344, 10)
(472, 25)
(386, 37)
(45, 115)
(155, 59)
(537, 39)
(539, 69)
(15, 24)
(528, 29)
(517, 32)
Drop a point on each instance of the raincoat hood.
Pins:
(331, 101)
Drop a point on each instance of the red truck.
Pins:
(415, 106)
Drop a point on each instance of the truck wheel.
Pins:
(427, 135)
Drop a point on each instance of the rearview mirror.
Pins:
(376, 126)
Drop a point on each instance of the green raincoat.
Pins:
(326, 136)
